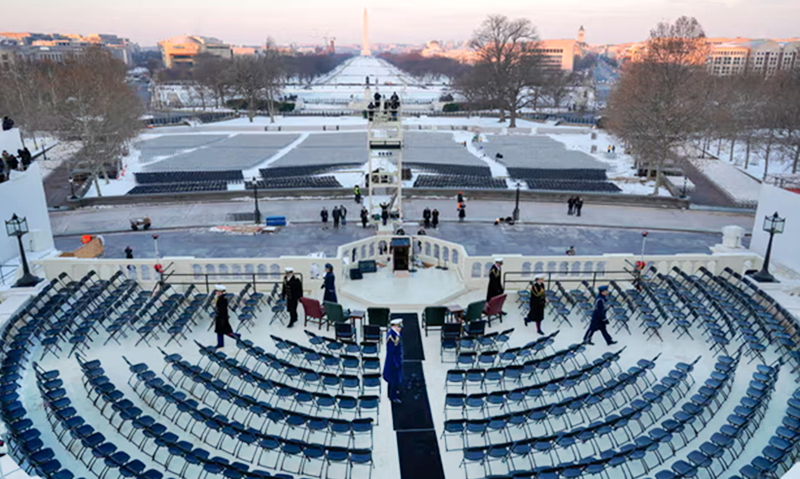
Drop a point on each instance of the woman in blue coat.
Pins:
(329, 285)
(393, 364)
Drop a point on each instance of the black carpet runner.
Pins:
(413, 423)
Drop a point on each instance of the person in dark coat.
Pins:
(393, 364)
(599, 321)
(13, 164)
(578, 205)
(128, 252)
(343, 214)
(384, 213)
(462, 211)
(435, 218)
(324, 215)
(336, 215)
(292, 292)
(8, 123)
(222, 325)
(329, 285)
(364, 216)
(426, 217)
(495, 279)
(571, 205)
(538, 302)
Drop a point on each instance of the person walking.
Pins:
(222, 325)
(393, 364)
(495, 279)
(329, 285)
(435, 218)
(357, 193)
(292, 292)
(599, 321)
(571, 205)
(578, 205)
(324, 215)
(343, 213)
(426, 217)
(336, 216)
(538, 302)
(364, 216)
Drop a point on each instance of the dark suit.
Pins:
(292, 292)
(599, 321)
(495, 283)
(222, 325)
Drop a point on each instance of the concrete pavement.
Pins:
(106, 219)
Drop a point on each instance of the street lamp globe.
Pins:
(17, 226)
(774, 224)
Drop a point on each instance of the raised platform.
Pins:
(425, 287)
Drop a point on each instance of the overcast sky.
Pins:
(407, 21)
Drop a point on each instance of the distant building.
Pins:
(180, 51)
(731, 56)
(581, 35)
(561, 53)
(57, 47)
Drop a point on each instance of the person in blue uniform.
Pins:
(393, 364)
(329, 285)
(599, 321)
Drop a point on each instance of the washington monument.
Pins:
(365, 52)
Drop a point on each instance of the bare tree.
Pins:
(509, 51)
(788, 92)
(97, 108)
(660, 103)
(213, 73)
(556, 85)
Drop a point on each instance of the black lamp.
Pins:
(18, 227)
(773, 225)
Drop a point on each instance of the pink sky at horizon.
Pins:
(308, 21)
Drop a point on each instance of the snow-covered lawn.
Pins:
(755, 165)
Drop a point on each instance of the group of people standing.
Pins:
(430, 218)
(9, 162)
(339, 214)
(575, 204)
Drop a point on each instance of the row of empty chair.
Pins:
(297, 182)
(573, 185)
(448, 169)
(154, 177)
(574, 174)
(459, 181)
(303, 170)
(165, 188)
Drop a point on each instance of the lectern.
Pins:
(401, 250)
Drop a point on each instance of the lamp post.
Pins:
(155, 243)
(515, 215)
(257, 212)
(772, 225)
(19, 227)
(71, 188)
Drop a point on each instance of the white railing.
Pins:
(472, 270)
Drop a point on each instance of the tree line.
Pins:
(84, 99)
(256, 80)
(668, 102)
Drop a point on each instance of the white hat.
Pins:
(396, 321)
(539, 276)
(289, 269)
(220, 287)
(498, 260)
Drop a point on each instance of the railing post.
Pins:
(208, 290)
(255, 288)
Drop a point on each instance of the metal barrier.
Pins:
(209, 282)
(564, 277)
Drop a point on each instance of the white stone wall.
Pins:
(785, 246)
(23, 194)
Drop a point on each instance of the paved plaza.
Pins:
(537, 151)
(478, 239)
(437, 148)
(327, 148)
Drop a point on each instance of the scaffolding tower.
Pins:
(385, 164)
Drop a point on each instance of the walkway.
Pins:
(105, 219)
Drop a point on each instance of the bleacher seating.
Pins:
(298, 182)
(445, 169)
(155, 177)
(304, 170)
(571, 185)
(459, 181)
(164, 188)
(574, 174)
